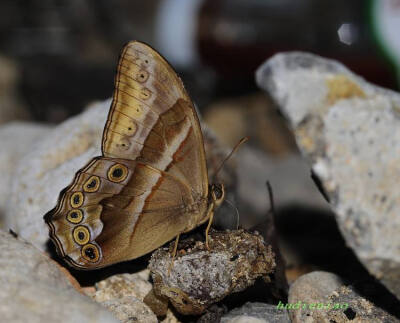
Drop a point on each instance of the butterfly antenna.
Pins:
(241, 141)
(237, 212)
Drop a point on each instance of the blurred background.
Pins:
(56, 56)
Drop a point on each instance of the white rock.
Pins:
(350, 132)
(123, 285)
(34, 289)
(256, 313)
(16, 139)
(129, 309)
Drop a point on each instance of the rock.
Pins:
(256, 312)
(199, 278)
(35, 289)
(170, 318)
(289, 177)
(246, 319)
(49, 165)
(213, 314)
(123, 294)
(350, 132)
(330, 301)
(123, 285)
(16, 139)
(129, 309)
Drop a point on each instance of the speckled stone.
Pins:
(35, 289)
(349, 130)
(123, 285)
(256, 312)
(129, 309)
(199, 278)
(331, 301)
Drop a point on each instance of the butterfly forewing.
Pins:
(151, 182)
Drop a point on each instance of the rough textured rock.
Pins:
(256, 312)
(199, 278)
(123, 285)
(34, 288)
(331, 301)
(129, 309)
(16, 139)
(350, 132)
(123, 295)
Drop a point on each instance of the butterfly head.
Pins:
(217, 192)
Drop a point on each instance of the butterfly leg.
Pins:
(211, 214)
(174, 253)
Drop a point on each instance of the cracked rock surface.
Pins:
(349, 130)
(199, 278)
(324, 297)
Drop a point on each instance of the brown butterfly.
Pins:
(151, 182)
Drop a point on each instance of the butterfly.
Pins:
(150, 184)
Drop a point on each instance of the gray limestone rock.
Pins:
(350, 132)
(129, 309)
(199, 277)
(16, 139)
(123, 285)
(34, 288)
(256, 312)
(323, 297)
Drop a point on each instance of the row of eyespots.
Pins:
(81, 234)
(90, 252)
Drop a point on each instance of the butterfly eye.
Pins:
(81, 235)
(90, 252)
(117, 173)
(76, 199)
(92, 184)
(75, 216)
